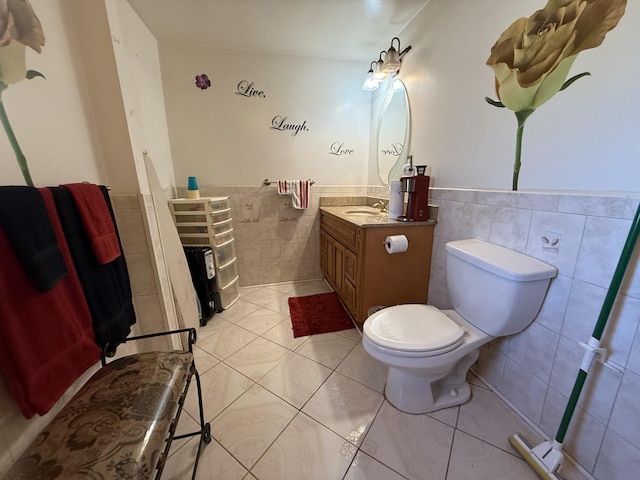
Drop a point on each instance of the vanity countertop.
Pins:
(366, 216)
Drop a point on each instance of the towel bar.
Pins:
(266, 182)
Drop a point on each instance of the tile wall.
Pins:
(582, 236)
(274, 241)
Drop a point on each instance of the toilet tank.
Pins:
(498, 290)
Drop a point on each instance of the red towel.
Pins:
(46, 338)
(96, 220)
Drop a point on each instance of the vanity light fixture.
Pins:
(381, 69)
(370, 84)
(379, 74)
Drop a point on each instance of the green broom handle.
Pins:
(618, 275)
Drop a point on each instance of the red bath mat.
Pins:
(321, 313)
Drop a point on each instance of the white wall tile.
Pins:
(523, 389)
(555, 304)
(584, 435)
(625, 418)
(602, 206)
(534, 349)
(534, 201)
(510, 227)
(633, 363)
(599, 391)
(568, 228)
(490, 365)
(583, 308)
(617, 460)
(600, 249)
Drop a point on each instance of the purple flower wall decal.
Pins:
(202, 81)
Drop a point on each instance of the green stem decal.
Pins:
(522, 118)
(22, 160)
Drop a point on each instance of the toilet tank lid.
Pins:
(502, 261)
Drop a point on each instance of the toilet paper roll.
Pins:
(396, 244)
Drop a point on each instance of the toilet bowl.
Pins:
(495, 292)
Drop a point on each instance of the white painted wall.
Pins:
(585, 138)
(136, 54)
(52, 118)
(225, 139)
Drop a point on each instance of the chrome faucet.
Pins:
(382, 206)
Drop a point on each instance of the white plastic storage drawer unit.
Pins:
(208, 221)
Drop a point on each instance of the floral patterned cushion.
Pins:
(115, 426)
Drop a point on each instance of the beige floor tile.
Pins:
(301, 289)
(221, 385)
(227, 341)
(238, 310)
(362, 367)
(366, 468)
(204, 360)
(415, 446)
(215, 462)
(351, 333)
(186, 425)
(214, 324)
(488, 418)
(473, 459)
(257, 358)
(249, 425)
(280, 305)
(264, 296)
(260, 321)
(295, 455)
(446, 415)
(344, 406)
(328, 349)
(282, 334)
(295, 379)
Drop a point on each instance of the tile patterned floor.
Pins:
(313, 408)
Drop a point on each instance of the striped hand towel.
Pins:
(299, 191)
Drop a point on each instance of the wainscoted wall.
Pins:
(274, 241)
(535, 369)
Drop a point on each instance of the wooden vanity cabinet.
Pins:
(356, 264)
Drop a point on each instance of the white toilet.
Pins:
(495, 291)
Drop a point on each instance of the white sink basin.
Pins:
(362, 212)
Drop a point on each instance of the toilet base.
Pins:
(417, 391)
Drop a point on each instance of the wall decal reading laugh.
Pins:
(246, 89)
(338, 148)
(280, 123)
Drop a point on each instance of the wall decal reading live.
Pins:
(395, 149)
(280, 123)
(246, 89)
(338, 148)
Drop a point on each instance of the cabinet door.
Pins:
(339, 256)
(350, 266)
(324, 239)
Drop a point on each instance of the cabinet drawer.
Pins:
(343, 231)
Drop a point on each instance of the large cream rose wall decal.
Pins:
(19, 29)
(532, 58)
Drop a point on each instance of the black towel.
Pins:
(106, 287)
(25, 221)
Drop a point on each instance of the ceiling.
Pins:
(338, 29)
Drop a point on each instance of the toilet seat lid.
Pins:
(413, 327)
